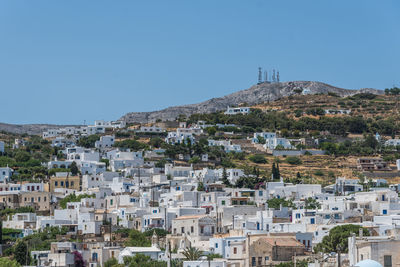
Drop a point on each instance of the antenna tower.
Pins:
(273, 76)
(259, 75)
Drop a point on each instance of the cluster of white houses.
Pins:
(99, 127)
(128, 189)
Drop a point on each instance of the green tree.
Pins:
(74, 168)
(275, 171)
(192, 254)
(21, 253)
(275, 203)
(338, 238)
(261, 140)
(22, 156)
(156, 142)
(370, 141)
(6, 262)
(111, 262)
(140, 260)
(211, 130)
(312, 204)
(73, 198)
(225, 179)
(200, 187)
(194, 160)
(88, 141)
(137, 239)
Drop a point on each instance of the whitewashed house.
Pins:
(238, 110)
(105, 141)
(226, 144)
(5, 174)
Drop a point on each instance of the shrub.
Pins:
(258, 159)
(294, 160)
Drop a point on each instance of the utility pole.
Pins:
(139, 179)
(216, 209)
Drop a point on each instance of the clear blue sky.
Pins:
(69, 61)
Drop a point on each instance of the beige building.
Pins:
(383, 249)
(192, 231)
(267, 250)
(68, 182)
(10, 201)
(40, 201)
(194, 225)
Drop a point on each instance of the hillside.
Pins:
(256, 94)
(27, 128)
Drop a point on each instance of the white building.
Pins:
(105, 142)
(392, 142)
(150, 129)
(110, 124)
(238, 110)
(153, 252)
(227, 144)
(120, 160)
(5, 174)
(271, 140)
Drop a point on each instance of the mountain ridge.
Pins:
(256, 94)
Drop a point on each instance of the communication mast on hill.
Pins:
(273, 76)
(266, 76)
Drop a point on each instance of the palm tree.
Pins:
(192, 254)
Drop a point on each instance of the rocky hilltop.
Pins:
(256, 94)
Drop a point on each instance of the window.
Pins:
(259, 261)
(182, 230)
(38, 199)
(72, 184)
(191, 229)
(387, 261)
(235, 250)
(111, 201)
(253, 261)
(260, 193)
(223, 202)
(55, 183)
(266, 258)
(202, 229)
(62, 183)
(45, 198)
(384, 212)
(216, 245)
